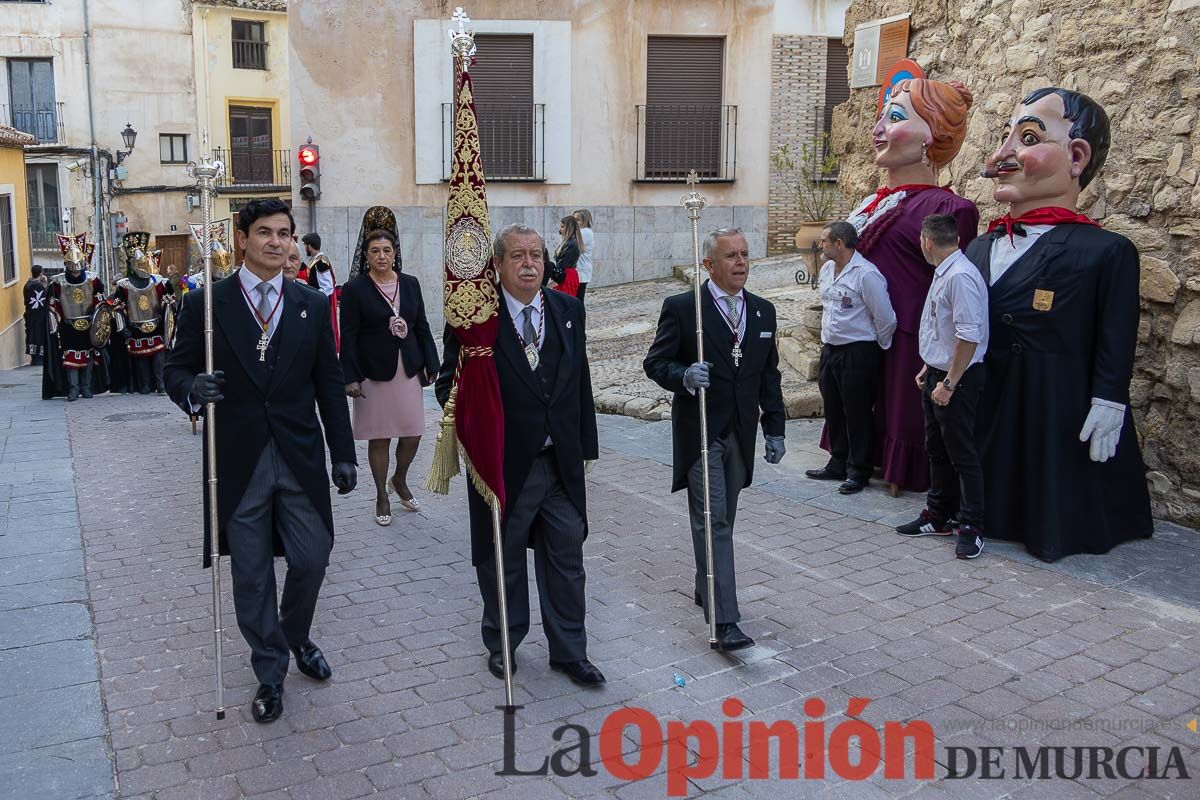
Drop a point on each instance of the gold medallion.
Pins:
(144, 303)
(1043, 299)
(77, 295)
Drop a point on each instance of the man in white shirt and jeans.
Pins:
(857, 324)
(953, 341)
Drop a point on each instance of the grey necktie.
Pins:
(527, 331)
(732, 302)
(265, 306)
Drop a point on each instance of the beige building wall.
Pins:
(1138, 59)
(361, 102)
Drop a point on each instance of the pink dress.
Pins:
(392, 409)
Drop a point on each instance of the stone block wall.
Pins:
(797, 103)
(633, 243)
(1139, 59)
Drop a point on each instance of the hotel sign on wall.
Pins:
(878, 45)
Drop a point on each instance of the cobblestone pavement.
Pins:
(1002, 651)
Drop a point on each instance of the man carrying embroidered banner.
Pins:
(522, 362)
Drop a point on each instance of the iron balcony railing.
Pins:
(249, 54)
(43, 121)
(512, 140)
(254, 169)
(45, 223)
(674, 139)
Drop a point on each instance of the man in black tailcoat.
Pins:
(741, 377)
(275, 369)
(549, 434)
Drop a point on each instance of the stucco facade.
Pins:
(374, 106)
(12, 306)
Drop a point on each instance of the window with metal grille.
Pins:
(249, 44)
(684, 130)
(172, 148)
(8, 241)
(502, 77)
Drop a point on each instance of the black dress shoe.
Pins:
(582, 672)
(496, 664)
(853, 486)
(311, 662)
(730, 637)
(268, 702)
(825, 474)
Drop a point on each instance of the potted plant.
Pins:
(816, 185)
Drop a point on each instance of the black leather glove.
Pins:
(207, 387)
(345, 477)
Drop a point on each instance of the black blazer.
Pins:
(569, 413)
(567, 259)
(368, 347)
(281, 405)
(1064, 323)
(734, 396)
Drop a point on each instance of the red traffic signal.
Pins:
(309, 156)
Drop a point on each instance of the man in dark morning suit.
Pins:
(741, 377)
(275, 366)
(1063, 472)
(549, 434)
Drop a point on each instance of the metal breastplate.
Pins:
(75, 298)
(143, 304)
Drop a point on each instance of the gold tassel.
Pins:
(445, 452)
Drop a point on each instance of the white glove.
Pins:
(1103, 429)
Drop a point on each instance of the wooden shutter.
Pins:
(251, 145)
(503, 81)
(684, 79)
(837, 81)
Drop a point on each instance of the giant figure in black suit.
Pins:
(742, 378)
(549, 432)
(275, 368)
(1063, 472)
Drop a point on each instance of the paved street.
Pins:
(106, 634)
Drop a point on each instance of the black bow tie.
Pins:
(1017, 230)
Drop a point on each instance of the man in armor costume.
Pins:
(74, 298)
(147, 304)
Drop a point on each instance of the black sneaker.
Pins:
(926, 525)
(970, 542)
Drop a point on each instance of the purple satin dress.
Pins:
(892, 242)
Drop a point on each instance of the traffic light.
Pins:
(310, 171)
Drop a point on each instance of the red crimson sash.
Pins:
(1050, 215)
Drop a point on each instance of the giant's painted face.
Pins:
(1037, 158)
(899, 134)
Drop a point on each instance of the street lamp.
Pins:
(128, 136)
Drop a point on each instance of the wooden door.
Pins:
(174, 251)
(251, 145)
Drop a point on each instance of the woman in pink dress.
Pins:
(920, 131)
(388, 355)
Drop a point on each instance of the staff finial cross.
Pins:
(461, 18)
(693, 179)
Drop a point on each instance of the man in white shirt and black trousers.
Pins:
(857, 324)
(953, 341)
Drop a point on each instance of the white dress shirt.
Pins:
(515, 310)
(1005, 252)
(250, 283)
(855, 306)
(955, 308)
(719, 296)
